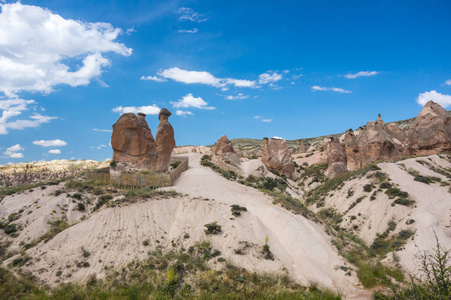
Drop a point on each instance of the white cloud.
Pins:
(55, 151)
(190, 101)
(362, 74)
(148, 110)
(129, 31)
(153, 78)
(277, 138)
(102, 130)
(40, 49)
(14, 107)
(333, 89)
(269, 77)
(443, 100)
(98, 147)
(267, 120)
(448, 82)
(50, 143)
(195, 30)
(189, 14)
(183, 113)
(203, 77)
(240, 96)
(257, 117)
(13, 151)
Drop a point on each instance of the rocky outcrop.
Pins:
(165, 141)
(430, 132)
(336, 157)
(225, 157)
(134, 147)
(373, 142)
(349, 141)
(133, 143)
(303, 146)
(277, 156)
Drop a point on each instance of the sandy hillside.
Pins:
(114, 236)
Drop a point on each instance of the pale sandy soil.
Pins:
(114, 236)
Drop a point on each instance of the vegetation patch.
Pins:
(212, 228)
(206, 162)
(236, 210)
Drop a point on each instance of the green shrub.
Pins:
(423, 179)
(236, 210)
(402, 201)
(212, 228)
(395, 192)
(367, 188)
(113, 163)
(81, 206)
(174, 165)
(385, 185)
(10, 228)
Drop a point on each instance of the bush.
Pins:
(367, 188)
(236, 210)
(77, 196)
(81, 207)
(10, 228)
(434, 281)
(113, 163)
(385, 185)
(423, 179)
(175, 164)
(213, 228)
(395, 192)
(402, 201)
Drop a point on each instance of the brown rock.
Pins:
(165, 141)
(376, 144)
(430, 132)
(336, 157)
(133, 143)
(276, 156)
(352, 150)
(303, 146)
(225, 156)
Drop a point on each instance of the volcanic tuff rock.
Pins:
(430, 132)
(133, 143)
(303, 146)
(276, 156)
(165, 141)
(373, 142)
(336, 157)
(225, 157)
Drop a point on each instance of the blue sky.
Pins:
(294, 69)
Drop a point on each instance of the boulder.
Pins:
(430, 132)
(132, 142)
(165, 141)
(276, 156)
(224, 156)
(303, 146)
(336, 157)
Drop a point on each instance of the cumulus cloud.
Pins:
(257, 117)
(195, 30)
(203, 77)
(277, 138)
(190, 101)
(41, 49)
(269, 77)
(98, 147)
(13, 151)
(267, 120)
(148, 110)
(153, 78)
(183, 113)
(443, 100)
(186, 13)
(362, 74)
(55, 151)
(333, 89)
(14, 107)
(240, 96)
(448, 82)
(50, 143)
